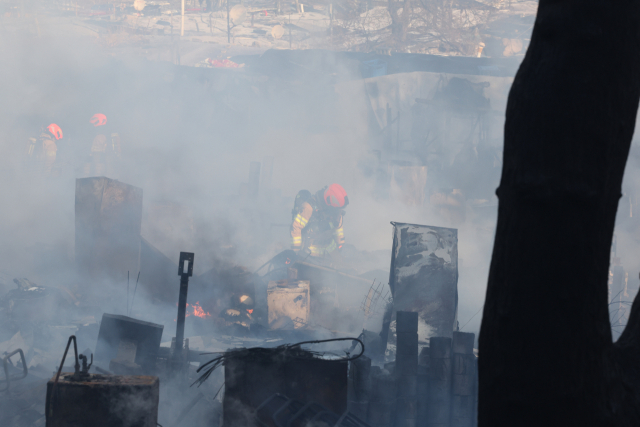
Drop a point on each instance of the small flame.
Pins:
(199, 311)
(250, 311)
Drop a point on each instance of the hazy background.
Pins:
(188, 140)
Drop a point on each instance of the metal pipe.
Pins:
(5, 363)
(182, 25)
(182, 311)
(64, 356)
(185, 270)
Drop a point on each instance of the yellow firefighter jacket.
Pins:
(317, 230)
(49, 150)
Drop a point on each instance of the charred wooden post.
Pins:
(382, 401)
(463, 380)
(439, 400)
(359, 386)
(407, 368)
(423, 357)
(474, 421)
(423, 386)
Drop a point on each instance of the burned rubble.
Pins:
(117, 370)
(185, 314)
(282, 217)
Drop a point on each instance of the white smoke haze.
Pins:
(189, 142)
(189, 136)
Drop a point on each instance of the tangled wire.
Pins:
(283, 352)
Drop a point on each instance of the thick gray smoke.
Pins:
(188, 138)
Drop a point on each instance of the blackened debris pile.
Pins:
(254, 375)
(437, 387)
(103, 400)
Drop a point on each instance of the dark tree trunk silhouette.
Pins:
(546, 352)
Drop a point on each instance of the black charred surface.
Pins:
(103, 401)
(157, 273)
(254, 375)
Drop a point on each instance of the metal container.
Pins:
(117, 330)
(102, 401)
(254, 375)
(288, 304)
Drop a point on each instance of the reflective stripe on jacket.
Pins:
(317, 244)
(299, 223)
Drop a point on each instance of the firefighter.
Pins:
(104, 150)
(317, 221)
(47, 150)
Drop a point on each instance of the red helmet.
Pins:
(336, 196)
(98, 120)
(55, 130)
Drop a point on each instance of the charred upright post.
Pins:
(439, 393)
(463, 380)
(407, 368)
(185, 270)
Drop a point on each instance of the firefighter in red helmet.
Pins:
(104, 150)
(317, 221)
(98, 120)
(47, 150)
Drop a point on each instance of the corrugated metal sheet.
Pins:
(424, 277)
